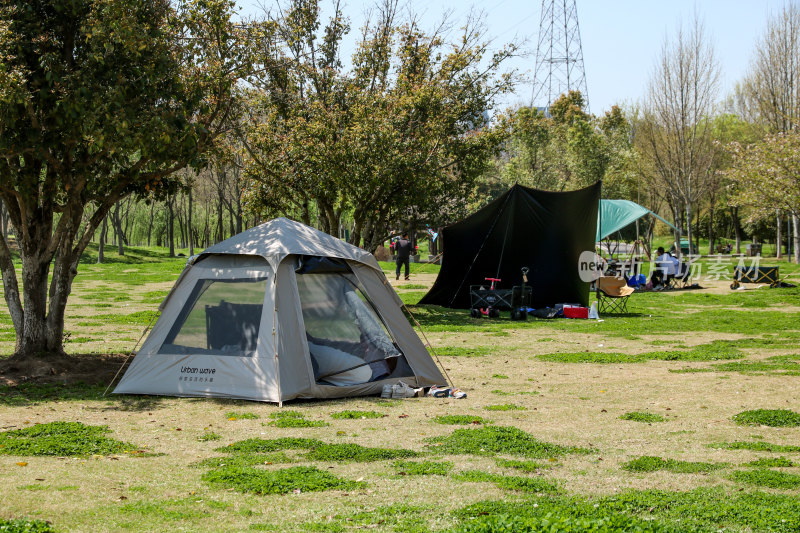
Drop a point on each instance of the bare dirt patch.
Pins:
(92, 369)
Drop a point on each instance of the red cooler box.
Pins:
(576, 312)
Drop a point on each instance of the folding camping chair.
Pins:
(682, 279)
(612, 294)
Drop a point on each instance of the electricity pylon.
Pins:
(559, 56)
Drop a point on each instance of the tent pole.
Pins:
(275, 337)
(485, 238)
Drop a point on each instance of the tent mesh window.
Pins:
(348, 342)
(220, 317)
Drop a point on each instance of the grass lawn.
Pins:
(679, 416)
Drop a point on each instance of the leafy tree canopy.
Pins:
(99, 99)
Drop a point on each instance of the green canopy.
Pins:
(617, 214)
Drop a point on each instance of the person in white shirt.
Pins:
(665, 269)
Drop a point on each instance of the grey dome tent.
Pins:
(278, 312)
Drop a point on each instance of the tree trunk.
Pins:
(170, 227)
(179, 217)
(101, 253)
(796, 231)
(118, 229)
(678, 233)
(38, 316)
(220, 221)
(150, 226)
(189, 225)
(4, 220)
(779, 238)
(737, 228)
(239, 216)
(305, 213)
(711, 238)
(358, 226)
(688, 208)
(125, 222)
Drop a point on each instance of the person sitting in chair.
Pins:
(666, 268)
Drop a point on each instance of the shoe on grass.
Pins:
(457, 393)
(439, 392)
(402, 390)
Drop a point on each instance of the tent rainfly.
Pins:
(278, 312)
(615, 215)
(543, 230)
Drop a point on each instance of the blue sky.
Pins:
(621, 38)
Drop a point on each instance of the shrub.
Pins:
(241, 416)
(560, 523)
(353, 415)
(245, 460)
(422, 468)
(299, 478)
(491, 440)
(318, 450)
(460, 420)
(774, 479)
(768, 417)
(355, 453)
(525, 466)
(771, 462)
(703, 509)
(639, 416)
(505, 407)
(61, 438)
(270, 445)
(755, 446)
(517, 483)
(648, 463)
(294, 419)
(22, 525)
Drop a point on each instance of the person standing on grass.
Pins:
(402, 247)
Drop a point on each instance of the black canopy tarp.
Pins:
(542, 230)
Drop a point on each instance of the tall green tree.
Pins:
(770, 93)
(99, 99)
(768, 176)
(568, 148)
(402, 134)
(727, 128)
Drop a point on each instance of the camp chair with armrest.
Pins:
(681, 279)
(612, 294)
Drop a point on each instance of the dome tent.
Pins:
(278, 312)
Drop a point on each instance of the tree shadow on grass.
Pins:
(29, 394)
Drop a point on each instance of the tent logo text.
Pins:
(195, 370)
(590, 266)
